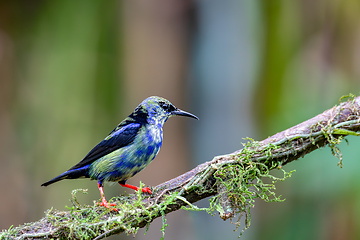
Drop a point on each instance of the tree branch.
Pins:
(222, 178)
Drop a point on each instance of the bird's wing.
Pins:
(120, 137)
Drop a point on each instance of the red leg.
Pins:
(145, 190)
(103, 200)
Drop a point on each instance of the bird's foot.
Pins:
(145, 190)
(104, 203)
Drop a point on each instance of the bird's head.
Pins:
(158, 110)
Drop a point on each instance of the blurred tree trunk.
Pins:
(12, 172)
(59, 97)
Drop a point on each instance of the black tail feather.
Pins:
(70, 174)
(58, 178)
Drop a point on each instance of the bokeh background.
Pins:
(71, 70)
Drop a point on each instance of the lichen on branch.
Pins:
(232, 181)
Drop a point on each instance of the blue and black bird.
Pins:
(128, 149)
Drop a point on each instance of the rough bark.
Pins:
(327, 128)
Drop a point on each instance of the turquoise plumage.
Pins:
(128, 149)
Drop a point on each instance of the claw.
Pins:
(104, 203)
(146, 190)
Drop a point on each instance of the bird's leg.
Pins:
(103, 200)
(145, 190)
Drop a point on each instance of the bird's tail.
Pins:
(70, 174)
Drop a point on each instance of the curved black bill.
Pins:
(180, 112)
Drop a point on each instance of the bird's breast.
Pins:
(154, 134)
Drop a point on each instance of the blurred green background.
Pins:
(70, 71)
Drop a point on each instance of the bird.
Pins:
(128, 149)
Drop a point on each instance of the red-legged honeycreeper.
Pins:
(128, 149)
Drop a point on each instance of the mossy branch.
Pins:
(233, 181)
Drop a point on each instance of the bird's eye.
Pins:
(165, 106)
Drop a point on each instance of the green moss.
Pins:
(347, 97)
(247, 176)
(239, 179)
(244, 182)
(7, 234)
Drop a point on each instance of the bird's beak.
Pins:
(180, 112)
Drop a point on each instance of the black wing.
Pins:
(120, 137)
